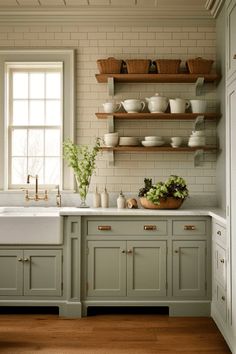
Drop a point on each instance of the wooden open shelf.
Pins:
(159, 149)
(159, 116)
(158, 78)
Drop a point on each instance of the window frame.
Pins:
(67, 58)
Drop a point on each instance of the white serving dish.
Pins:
(150, 143)
(153, 138)
(30, 225)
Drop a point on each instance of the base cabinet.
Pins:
(127, 268)
(30, 272)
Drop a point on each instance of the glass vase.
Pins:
(83, 189)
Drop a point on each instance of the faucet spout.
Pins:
(36, 197)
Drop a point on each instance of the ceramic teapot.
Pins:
(133, 105)
(157, 103)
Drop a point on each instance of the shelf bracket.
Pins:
(199, 123)
(111, 86)
(199, 85)
(111, 158)
(198, 157)
(111, 125)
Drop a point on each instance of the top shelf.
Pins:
(158, 78)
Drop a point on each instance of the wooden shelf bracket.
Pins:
(199, 123)
(199, 85)
(111, 86)
(198, 157)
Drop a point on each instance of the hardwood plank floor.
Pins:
(109, 334)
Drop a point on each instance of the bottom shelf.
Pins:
(197, 150)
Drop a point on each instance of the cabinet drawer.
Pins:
(221, 301)
(188, 227)
(219, 234)
(123, 227)
(220, 265)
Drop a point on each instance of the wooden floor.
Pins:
(109, 334)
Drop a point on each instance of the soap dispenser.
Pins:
(105, 199)
(121, 201)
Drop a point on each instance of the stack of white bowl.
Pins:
(128, 141)
(153, 141)
(197, 138)
(111, 139)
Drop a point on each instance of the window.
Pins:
(35, 108)
(36, 116)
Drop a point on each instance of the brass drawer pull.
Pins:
(234, 56)
(150, 227)
(104, 227)
(223, 298)
(189, 227)
(219, 233)
(222, 260)
(129, 251)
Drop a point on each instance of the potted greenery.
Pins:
(82, 159)
(164, 195)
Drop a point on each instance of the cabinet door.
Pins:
(106, 268)
(42, 272)
(146, 268)
(11, 272)
(189, 268)
(231, 37)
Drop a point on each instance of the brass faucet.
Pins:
(36, 196)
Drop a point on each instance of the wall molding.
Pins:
(214, 6)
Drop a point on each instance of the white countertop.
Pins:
(217, 214)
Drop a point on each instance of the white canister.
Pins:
(96, 199)
(121, 201)
(198, 106)
(105, 199)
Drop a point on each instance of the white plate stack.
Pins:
(153, 141)
(197, 138)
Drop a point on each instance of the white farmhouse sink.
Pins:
(30, 226)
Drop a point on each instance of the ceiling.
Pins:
(109, 10)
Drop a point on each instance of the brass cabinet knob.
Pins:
(150, 227)
(219, 233)
(222, 260)
(123, 251)
(26, 259)
(223, 298)
(104, 227)
(176, 251)
(234, 56)
(129, 251)
(189, 227)
(20, 259)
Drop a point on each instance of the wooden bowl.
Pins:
(169, 203)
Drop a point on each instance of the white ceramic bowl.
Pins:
(128, 140)
(153, 138)
(111, 141)
(110, 134)
(197, 139)
(150, 143)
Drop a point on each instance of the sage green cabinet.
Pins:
(189, 269)
(30, 272)
(126, 268)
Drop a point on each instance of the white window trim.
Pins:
(65, 56)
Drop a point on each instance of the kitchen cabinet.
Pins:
(230, 38)
(30, 272)
(126, 268)
(147, 261)
(189, 269)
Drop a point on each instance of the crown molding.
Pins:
(214, 6)
(109, 15)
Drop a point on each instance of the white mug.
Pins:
(198, 106)
(111, 107)
(176, 141)
(178, 105)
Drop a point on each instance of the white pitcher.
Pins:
(111, 107)
(133, 105)
(178, 105)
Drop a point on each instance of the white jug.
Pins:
(133, 105)
(178, 105)
(111, 107)
(157, 103)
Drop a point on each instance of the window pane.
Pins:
(52, 170)
(37, 85)
(53, 112)
(53, 85)
(19, 142)
(19, 170)
(20, 112)
(20, 85)
(36, 112)
(52, 142)
(35, 167)
(35, 147)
